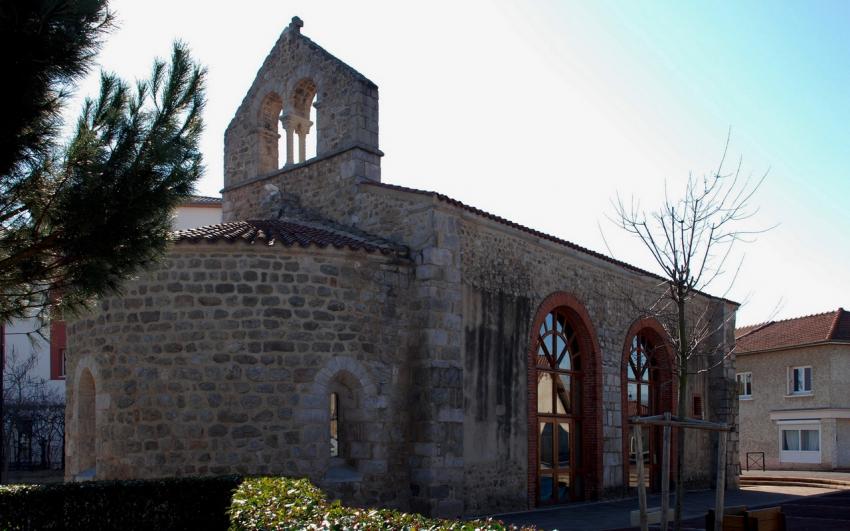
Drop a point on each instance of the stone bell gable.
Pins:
(296, 75)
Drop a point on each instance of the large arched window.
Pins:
(559, 381)
(648, 390)
(565, 404)
(640, 377)
(642, 401)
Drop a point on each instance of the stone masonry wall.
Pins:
(507, 275)
(327, 184)
(512, 272)
(220, 361)
(334, 189)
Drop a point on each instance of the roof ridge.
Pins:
(790, 319)
(834, 328)
(535, 232)
(293, 30)
(206, 196)
(289, 232)
(177, 234)
(335, 228)
(755, 328)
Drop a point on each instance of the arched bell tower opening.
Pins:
(304, 105)
(267, 129)
(297, 120)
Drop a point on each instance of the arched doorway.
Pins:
(564, 416)
(86, 424)
(648, 389)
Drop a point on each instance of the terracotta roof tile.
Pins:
(818, 328)
(539, 234)
(288, 232)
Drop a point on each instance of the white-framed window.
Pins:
(800, 380)
(799, 442)
(745, 384)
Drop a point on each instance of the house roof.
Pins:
(288, 233)
(454, 202)
(799, 331)
(201, 200)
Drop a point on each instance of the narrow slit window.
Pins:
(334, 424)
(697, 407)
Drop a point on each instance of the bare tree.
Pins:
(34, 415)
(691, 239)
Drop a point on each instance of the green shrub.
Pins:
(258, 504)
(277, 504)
(25, 507)
(180, 503)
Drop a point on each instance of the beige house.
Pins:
(197, 211)
(794, 392)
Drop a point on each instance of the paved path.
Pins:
(843, 476)
(616, 514)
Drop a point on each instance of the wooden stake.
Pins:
(644, 525)
(665, 474)
(721, 480)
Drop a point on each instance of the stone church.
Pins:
(394, 345)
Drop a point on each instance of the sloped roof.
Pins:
(806, 330)
(201, 200)
(294, 28)
(454, 202)
(288, 232)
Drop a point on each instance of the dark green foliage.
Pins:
(255, 504)
(277, 504)
(47, 44)
(78, 220)
(187, 503)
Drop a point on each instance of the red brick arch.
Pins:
(591, 393)
(664, 357)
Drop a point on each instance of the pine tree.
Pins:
(78, 219)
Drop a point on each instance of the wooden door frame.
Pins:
(662, 383)
(591, 396)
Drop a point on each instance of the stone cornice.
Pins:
(300, 165)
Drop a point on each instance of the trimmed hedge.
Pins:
(180, 503)
(208, 503)
(277, 504)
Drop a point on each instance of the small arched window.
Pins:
(334, 424)
(86, 426)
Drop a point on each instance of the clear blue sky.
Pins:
(542, 111)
